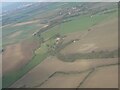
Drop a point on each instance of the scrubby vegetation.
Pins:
(92, 55)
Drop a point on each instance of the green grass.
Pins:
(27, 31)
(11, 77)
(95, 55)
(39, 55)
(78, 24)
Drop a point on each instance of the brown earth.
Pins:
(51, 65)
(17, 55)
(100, 78)
(101, 37)
(64, 81)
(26, 23)
(15, 34)
(97, 79)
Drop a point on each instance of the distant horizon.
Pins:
(59, 1)
(27, 0)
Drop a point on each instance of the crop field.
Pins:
(46, 69)
(14, 34)
(53, 42)
(92, 40)
(79, 23)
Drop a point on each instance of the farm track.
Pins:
(76, 72)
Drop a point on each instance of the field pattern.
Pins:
(60, 45)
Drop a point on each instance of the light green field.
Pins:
(78, 24)
(39, 56)
(26, 32)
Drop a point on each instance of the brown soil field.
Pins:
(17, 55)
(64, 81)
(100, 78)
(49, 66)
(26, 23)
(77, 35)
(101, 37)
(15, 34)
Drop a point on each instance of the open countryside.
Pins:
(47, 43)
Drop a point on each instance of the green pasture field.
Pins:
(39, 55)
(26, 32)
(79, 23)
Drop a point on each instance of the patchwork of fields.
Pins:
(76, 71)
(81, 50)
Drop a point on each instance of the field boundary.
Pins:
(76, 72)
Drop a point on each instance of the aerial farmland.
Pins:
(46, 43)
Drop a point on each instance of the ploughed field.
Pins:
(51, 71)
(18, 55)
